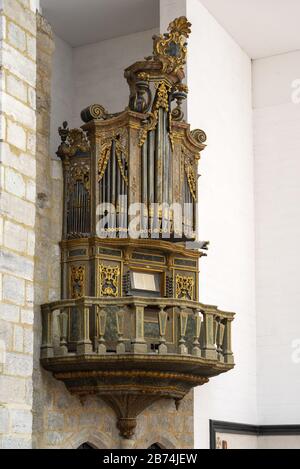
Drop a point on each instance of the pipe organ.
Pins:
(130, 324)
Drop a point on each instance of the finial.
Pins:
(64, 132)
(170, 48)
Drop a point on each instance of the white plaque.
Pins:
(143, 281)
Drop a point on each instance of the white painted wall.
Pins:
(277, 195)
(219, 79)
(99, 71)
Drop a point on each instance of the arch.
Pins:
(95, 439)
(161, 441)
(86, 446)
(156, 446)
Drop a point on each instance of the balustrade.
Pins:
(209, 335)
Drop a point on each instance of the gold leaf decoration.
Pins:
(185, 287)
(170, 48)
(109, 280)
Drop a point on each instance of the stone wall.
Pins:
(17, 222)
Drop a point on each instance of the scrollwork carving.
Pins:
(170, 48)
(199, 135)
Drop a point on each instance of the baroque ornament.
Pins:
(109, 280)
(170, 48)
(184, 287)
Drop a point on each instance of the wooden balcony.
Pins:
(132, 351)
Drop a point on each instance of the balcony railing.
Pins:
(200, 330)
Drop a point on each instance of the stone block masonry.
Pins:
(18, 25)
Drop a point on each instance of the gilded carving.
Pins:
(185, 287)
(77, 281)
(80, 172)
(161, 101)
(120, 138)
(170, 48)
(109, 280)
(188, 168)
(191, 178)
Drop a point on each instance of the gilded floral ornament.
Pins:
(185, 287)
(170, 48)
(109, 280)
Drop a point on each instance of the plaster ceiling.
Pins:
(81, 22)
(261, 27)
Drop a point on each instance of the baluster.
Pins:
(120, 330)
(139, 344)
(227, 351)
(220, 338)
(183, 317)
(101, 318)
(47, 332)
(162, 319)
(63, 326)
(209, 349)
(84, 344)
(196, 343)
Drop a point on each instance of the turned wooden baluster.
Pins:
(101, 318)
(220, 338)
(162, 319)
(196, 343)
(63, 326)
(209, 348)
(183, 318)
(227, 351)
(120, 331)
